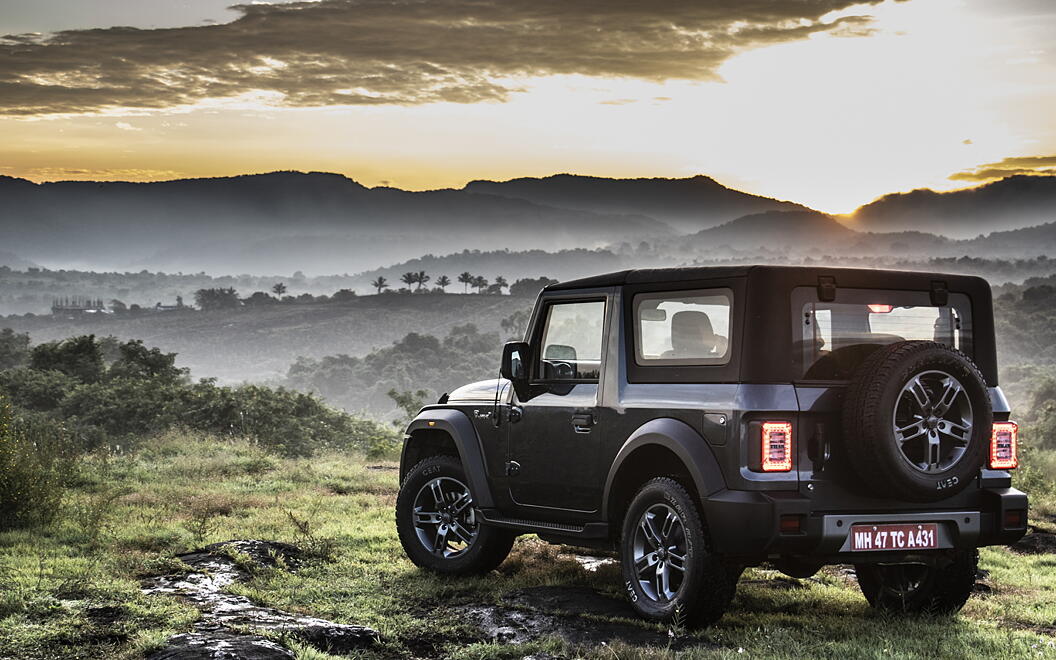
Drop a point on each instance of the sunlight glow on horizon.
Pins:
(831, 122)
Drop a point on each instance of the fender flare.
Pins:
(684, 442)
(457, 425)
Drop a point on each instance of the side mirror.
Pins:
(515, 361)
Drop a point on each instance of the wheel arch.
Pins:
(657, 448)
(444, 431)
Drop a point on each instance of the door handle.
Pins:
(581, 422)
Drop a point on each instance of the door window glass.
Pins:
(572, 341)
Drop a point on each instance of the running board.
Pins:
(594, 530)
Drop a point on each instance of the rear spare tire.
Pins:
(916, 421)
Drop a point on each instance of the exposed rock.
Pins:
(222, 613)
(538, 612)
(221, 645)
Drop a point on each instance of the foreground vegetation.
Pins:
(70, 588)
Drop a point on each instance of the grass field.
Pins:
(127, 516)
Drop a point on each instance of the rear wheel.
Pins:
(919, 588)
(669, 571)
(437, 522)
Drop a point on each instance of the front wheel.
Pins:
(919, 588)
(668, 569)
(437, 523)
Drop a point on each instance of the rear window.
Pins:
(834, 338)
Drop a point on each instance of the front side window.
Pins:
(683, 327)
(572, 341)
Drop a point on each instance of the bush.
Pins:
(34, 467)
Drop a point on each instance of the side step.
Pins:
(594, 530)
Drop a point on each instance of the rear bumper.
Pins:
(747, 524)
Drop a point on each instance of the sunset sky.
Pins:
(824, 102)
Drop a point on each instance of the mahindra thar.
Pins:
(701, 420)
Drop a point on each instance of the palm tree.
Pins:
(443, 281)
(480, 283)
(421, 278)
(409, 279)
(501, 282)
(279, 289)
(467, 279)
(380, 283)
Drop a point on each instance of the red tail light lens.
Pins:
(1004, 446)
(776, 447)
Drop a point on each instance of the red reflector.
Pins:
(1004, 446)
(777, 447)
(880, 308)
(791, 524)
(1015, 519)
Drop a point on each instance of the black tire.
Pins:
(918, 589)
(706, 585)
(488, 546)
(919, 468)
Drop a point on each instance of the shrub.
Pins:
(34, 466)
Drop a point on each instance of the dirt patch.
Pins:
(225, 616)
(1036, 543)
(578, 615)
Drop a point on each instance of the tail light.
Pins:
(1004, 446)
(776, 447)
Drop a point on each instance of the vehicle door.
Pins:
(555, 445)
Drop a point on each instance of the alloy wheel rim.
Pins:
(444, 518)
(932, 422)
(660, 552)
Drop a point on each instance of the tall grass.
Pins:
(34, 466)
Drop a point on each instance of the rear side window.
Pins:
(834, 338)
(682, 327)
(572, 340)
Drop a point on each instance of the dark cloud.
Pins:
(395, 51)
(1008, 167)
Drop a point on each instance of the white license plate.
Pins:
(914, 536)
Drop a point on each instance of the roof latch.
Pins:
(939, 294)
(826, 288)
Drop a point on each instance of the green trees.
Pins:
(14, 348)
(215, 299)
(409, 279)
(380, 283)
(530, 287)
(421, 279)
(466, 278)
(108, 392)
(443, 282)
(80, 358)
(279, 289)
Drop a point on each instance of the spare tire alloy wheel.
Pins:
(443, 517)
(916, 422)
(933, 421)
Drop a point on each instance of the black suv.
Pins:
(701, 420)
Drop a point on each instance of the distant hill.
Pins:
(689, 204)
(1011, 203)
(13, 261)
(1025, 242)
(775, 229)
(282, 221)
